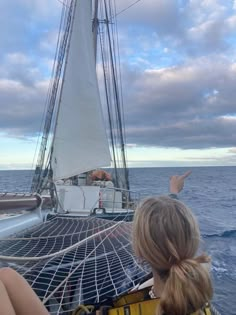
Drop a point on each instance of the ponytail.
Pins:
(187, 288)
(166, 235)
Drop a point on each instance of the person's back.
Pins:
(166, 235)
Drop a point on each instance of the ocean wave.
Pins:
(227, 233)
(219, 270)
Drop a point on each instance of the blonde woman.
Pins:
(166, 235)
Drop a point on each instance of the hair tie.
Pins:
(199, 259)
(202, 259)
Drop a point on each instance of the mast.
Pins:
(74, 93)
(95, 27)
(80, 143)
(113, 94)
(117, 101)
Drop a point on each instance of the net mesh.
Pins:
(70, 261)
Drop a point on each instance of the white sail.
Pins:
(80, 142)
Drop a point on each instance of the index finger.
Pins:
(185, 175)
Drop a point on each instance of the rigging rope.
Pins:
(59, 253)
(63, 3)
(108, 35)
(131, 5)
(52, 94)
(62, 21)
(86, 258)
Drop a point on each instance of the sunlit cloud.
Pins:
(178, 74)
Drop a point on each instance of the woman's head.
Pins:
(166, 235)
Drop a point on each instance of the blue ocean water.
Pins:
(210, 192)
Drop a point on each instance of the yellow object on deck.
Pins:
(139, 308)
(139, 303)
(134, 303)
(82, 309)
(143, 308)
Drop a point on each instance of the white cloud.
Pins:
(234, 4)
(49, 41)
(231, 23)
(177, 64)
(21, 107)
(17, 58)
(41, 8)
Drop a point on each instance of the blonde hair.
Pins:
(166, 235)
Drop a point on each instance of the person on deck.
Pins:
(166, 235)
(100, 175)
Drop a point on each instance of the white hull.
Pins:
(18, 222)
(19, 212)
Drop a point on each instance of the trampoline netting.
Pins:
(75, 260)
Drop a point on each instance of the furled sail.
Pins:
(80, 143)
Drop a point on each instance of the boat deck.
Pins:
(75, 260)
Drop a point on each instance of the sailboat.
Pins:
(71, 238)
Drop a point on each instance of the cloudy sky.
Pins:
(178, 61)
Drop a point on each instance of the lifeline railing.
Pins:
(129, 199)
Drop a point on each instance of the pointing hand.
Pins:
(177, 182)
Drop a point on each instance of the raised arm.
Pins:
(177, 183)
